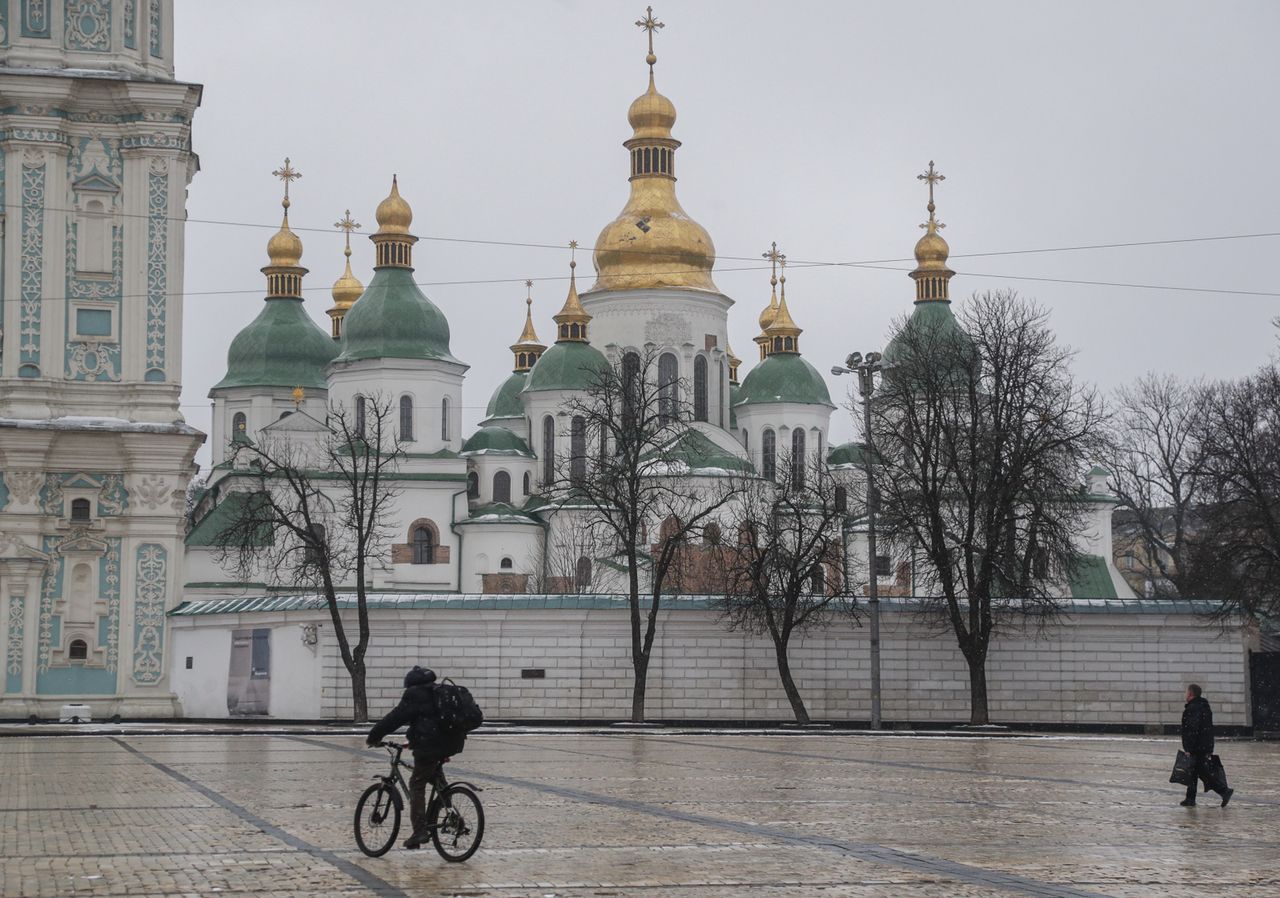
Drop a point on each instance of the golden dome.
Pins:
(571, 320)
(393, 214)
(346, 289)
(931, 249)
(771, 310)
(651, 114)
(284, 249)
(528, 336)
(783, 325)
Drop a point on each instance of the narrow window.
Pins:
(444, 418)
(722, 390)
(424, 546)
(700, 388)
(630, 390)
(502, 487)
(238, 423)
(883, 566)
(473, 485)
(769, 454)
(648, 161)
(842, 499)
(582, 573)
(260, 657)
(505, 564)
(711, 534)
(817, 446)
(406, 418)
(78, 650)
(818, 580)
(548, 449)
(313, 552)
(578, 450)
(1040, 563)
(797, 458)
(360, 416)
(528, 484)
(79, 509)
(668, 372)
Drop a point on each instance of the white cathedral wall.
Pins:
(783, 417)
(486, 545)
(1092, 669)
(428, 383)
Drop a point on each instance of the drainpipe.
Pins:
(453, 528)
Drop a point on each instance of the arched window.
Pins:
(818, 580)
(700, 388)
(78, 650)
(769, 454)
(630, 389)
(239, 423)
(711, 534)
(79, 509)
(406, 418)
(444, 418)
(528, 484)
(473, 485)
(817, 446)
(797, 458)
(722, 390)
(670, 528)
(313, 551)
(578, 450)
(548, 449)
(505, 564)
(502, 487)
(842, 499)
(360, 416)
(94, 248)
(668, 388)
(424, 546)
(582, 573)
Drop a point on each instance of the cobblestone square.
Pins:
(670, 813)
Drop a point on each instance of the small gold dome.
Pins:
(393, 214)
(651, 114)
(346, 289)
(284, 249)
(769, 313)
(932, 250)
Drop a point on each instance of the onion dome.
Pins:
(573, 363)
(784, 377)
(393, 317)
(653, 243)
(346, 289)
(282, 346)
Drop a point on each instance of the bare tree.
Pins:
(315, 515)
(981, 435)
(1155, 461)
(1240, 440)
(784, 567)
(641, 473)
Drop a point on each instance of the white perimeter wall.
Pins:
(1097, 668)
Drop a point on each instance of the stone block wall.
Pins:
(1090, 669)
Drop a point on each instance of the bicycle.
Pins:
(455, 817)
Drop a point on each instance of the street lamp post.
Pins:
(866, 368)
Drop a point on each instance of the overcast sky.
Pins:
(1056, 125)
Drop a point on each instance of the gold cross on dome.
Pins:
(774, 258)
(931, 177)
(573, 251)
(650, 24)
(347, 224)
(287, 173)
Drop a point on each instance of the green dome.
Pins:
(282, 347)
(496, 440)
(505, 402)
(932, 317)
(848, 454)
(570, 365)
(784, 377)
(393, 319)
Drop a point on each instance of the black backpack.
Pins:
(457, 712)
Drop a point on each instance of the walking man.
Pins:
(1197, 741)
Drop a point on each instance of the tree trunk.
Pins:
(978, 690)
(359, 700)
(641, 666)
(788, 683)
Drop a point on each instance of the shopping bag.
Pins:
(1184, 769)
(1214, 774)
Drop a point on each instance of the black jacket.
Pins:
(1197, 727)
(417, 711)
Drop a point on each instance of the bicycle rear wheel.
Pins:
(459, 823)
(377, 819)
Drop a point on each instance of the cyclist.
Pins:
(419, 712)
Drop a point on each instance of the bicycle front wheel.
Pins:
(377, 819)
(459, 823)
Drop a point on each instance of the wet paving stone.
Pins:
(642, 815)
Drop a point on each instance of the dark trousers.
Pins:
(426, 767)
(1200, 771)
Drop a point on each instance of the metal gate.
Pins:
(1264, 673)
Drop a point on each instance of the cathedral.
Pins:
(114, 592)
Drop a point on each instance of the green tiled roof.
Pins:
(848, 454)
(505, 402)
(1090, 579)
(495, 440)
(393, 319)
(931, 316)
(784, 377)
(696, 450)
(282, 347)
(570, 365)
(210, 527)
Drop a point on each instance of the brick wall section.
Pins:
(402, 553)
(1092, 669)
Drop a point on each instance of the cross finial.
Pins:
(287, 173)
(931, 177)
(650, 24)
(573, 250)
(347, 224)
(774, 258)
(298, 395)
